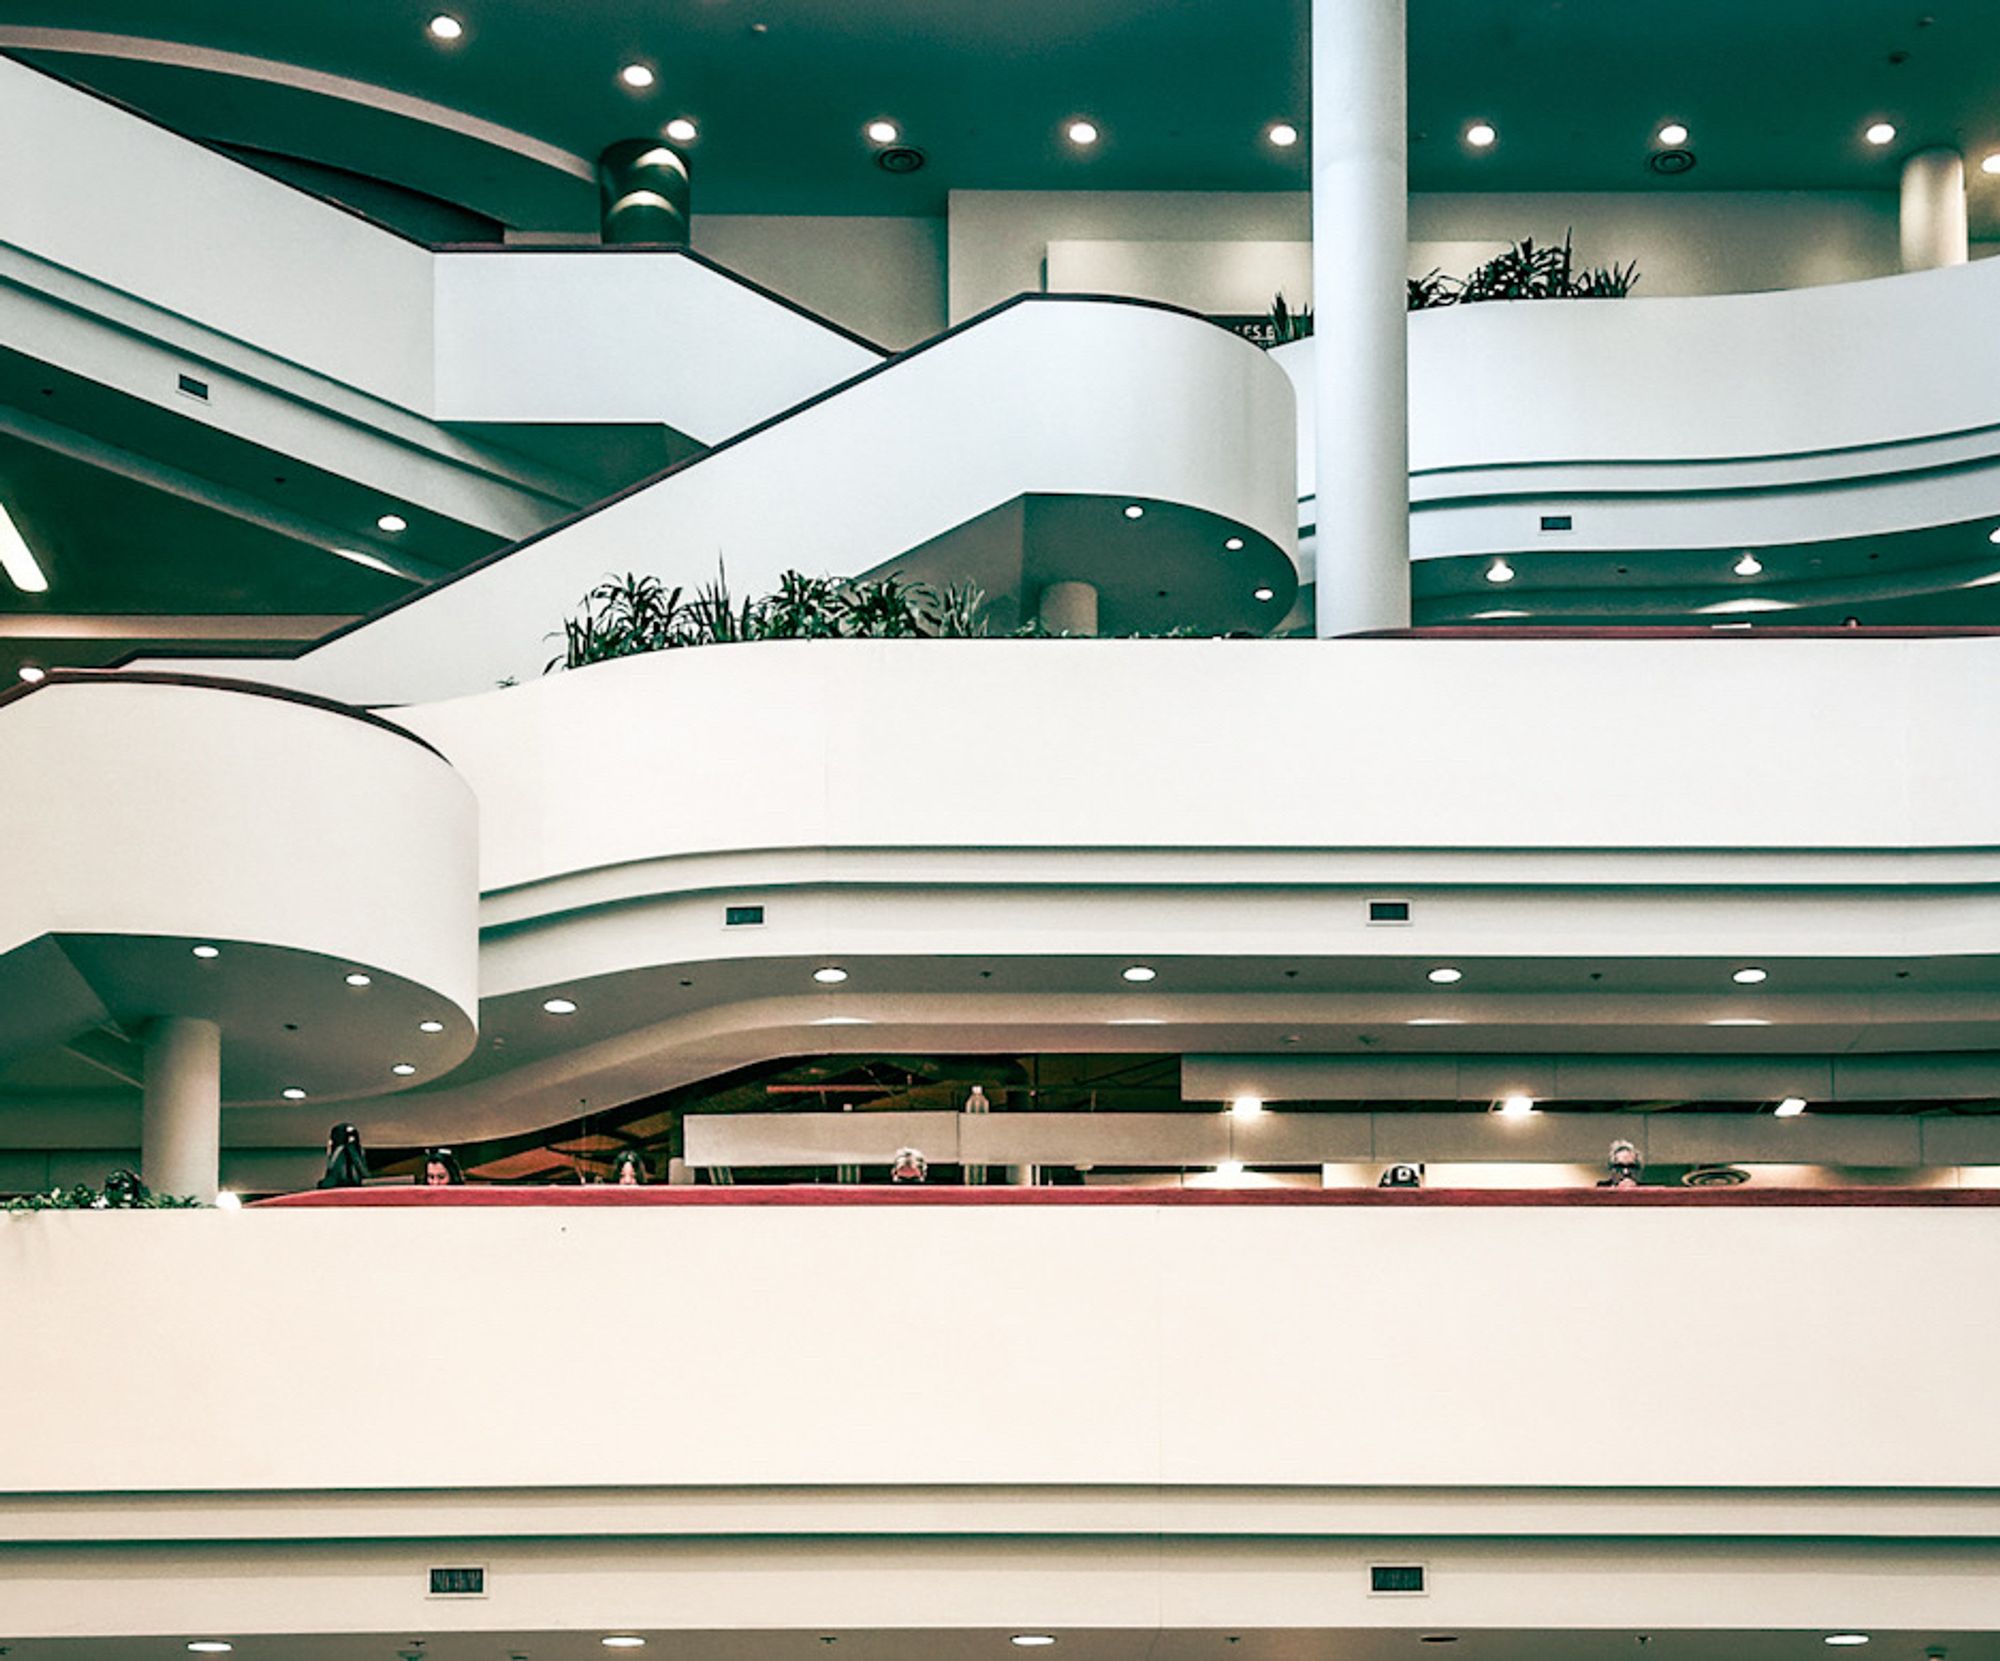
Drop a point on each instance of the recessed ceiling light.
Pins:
(430, 1026)
(1135, 512)
(559, 1006)
(1843, 1640)
(1235, 544)
(357, 978)
(1739, 1021)
(1749, 565)
(1751, 977)
(1080, 133)
(1137, 1021)
(215, 1646)
(883, 132)
(1991, 164)
(1139, 972)
(403, 1069)
(292, 1093)
(1499, 572)
(16, 559)
(682, 131)
(841, 1021)
(637, 76)
(1445, 975)
(1283, 134)
(371, 562)
(1247, 1107)
(1032, 1640)
(1790, 1108)
(207, 951)
(1879, 134)
(1673, 135)
(1516, 1107)
(829, 975)
(1264, 594)
(392, 524)
(1481, 135)
(32, 672)
(622, 1640)
(1434, 1021)
(445, 27)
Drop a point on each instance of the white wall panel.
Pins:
(1081, 1346)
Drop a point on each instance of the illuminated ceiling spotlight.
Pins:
(1751, 977)
(1032, 1640)
(355, 977)
(1283, 134)
(430, 1026)
(559, 1006)
(1234, 545)
(1790, 1108)
(882, 132)
(1247, 1107)
(1445, 975)
(292, 1093)
(445, 27)
(205, 952)
(829, 975)
(1749, 565)
(1482, 135)
(682, 131)
(1673, 135)
(1878, 134)
(16, 559)
(1515, 1107)
(1139, 973)
(392, 524)
(1135, 511)
(637, 76)
(1264, 594)
(1991, 164)
(403, 1069)
(1499, 572)
(1083, 134)
(32, 672)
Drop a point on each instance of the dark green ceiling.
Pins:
(1776, 91)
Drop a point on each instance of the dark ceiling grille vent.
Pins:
(1396, 1579)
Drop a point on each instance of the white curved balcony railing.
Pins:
(302, 841)
(1867, 409)
(1111, 403)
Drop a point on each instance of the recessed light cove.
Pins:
(559, 1006)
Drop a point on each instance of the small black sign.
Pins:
(458, 1583)
(1395, 1577)
(738, 916)
(1388, 911)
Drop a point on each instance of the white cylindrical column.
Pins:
(1069, 608)
(1361, 378)
(1933, 218)
(180, 1133)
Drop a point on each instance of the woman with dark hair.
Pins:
(628, 1170)
(346, 1164)
(441, 1169)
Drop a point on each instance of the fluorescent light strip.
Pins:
(16, 560)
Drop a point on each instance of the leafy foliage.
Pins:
(1526, 271)
(123, 1191)
(626, 615)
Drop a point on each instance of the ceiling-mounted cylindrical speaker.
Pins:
(643, 193)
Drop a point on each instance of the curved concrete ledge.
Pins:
(1103, 404)
(305, 842)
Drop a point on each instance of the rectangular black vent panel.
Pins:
(740, 916)
(1404, 1579)
(1388, 911)
(194, 388)
(463, 1582)
(1557, 522)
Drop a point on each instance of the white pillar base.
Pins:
(180, 1133)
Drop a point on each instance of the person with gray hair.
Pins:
(1624, 1167)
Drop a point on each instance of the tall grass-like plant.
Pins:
(1287, 324)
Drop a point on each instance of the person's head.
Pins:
(910, 1166)
(1402, 1176)
(1623, 1157)
(124, 1189)
(628, 1170)
(346, 1163)
(441, 1169)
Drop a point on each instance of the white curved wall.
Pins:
(180, 811)
(1045, 398)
